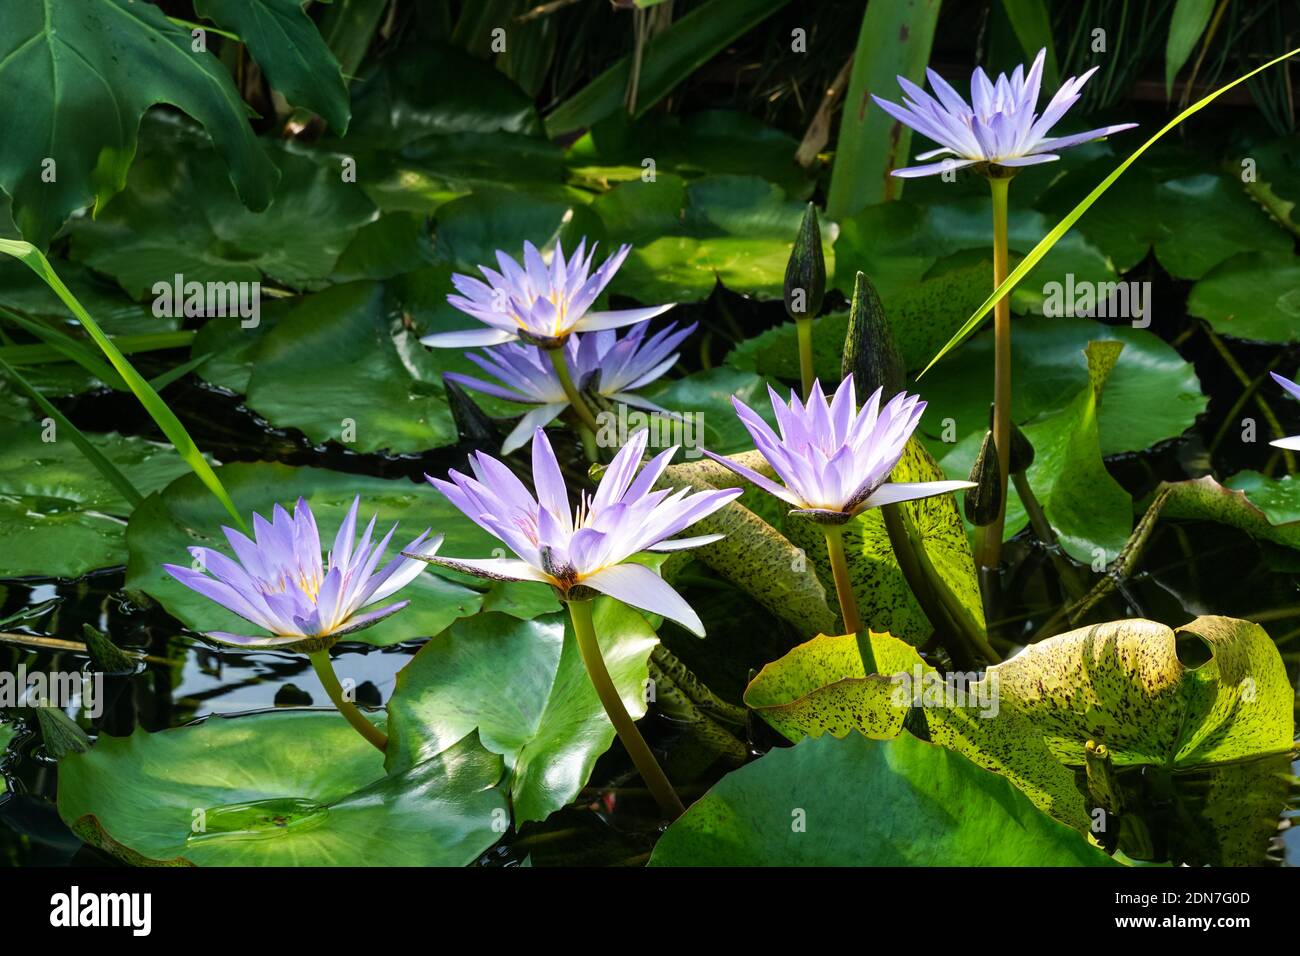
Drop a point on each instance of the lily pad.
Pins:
(471, 229)
(706, 397)
(860, 802)
(549, 724)
(22, 290)
(1267, 509)
(899, 243)
(58, 516)
(686, 237)
(1152, 394)
(179, 215)
(709, 142)
(1193, 222)
(1251, 296)
(1124, 684)
(339, 368)
(247, 791)
(185, 514)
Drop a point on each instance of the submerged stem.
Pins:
(990, 551)
(646, 764)
(320, 662)
(803, 331)
(579, 404)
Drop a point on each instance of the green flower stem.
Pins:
(991, 542)
(803, 330)
(633, 742)
(320, 662)
(843, 585)
(579, 404)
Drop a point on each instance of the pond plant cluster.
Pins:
(466, 433)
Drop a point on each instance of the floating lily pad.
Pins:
(180, 215)
(1193, 222)
(1251, 296)
(1152, 394)
(470, 230)
(709, 142)
(339, 368)
(22, 290)
(686, 237)
(710, 421)
(186, 514)
(900, 243)
(289, 788)
(58, 516)
(395, 243)
(860, 802)
(523, 685)
(1267, 509)
(1123, 684)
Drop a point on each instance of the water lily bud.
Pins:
(805, 273)
(870, 354)
(1022, 452)
(984, 500)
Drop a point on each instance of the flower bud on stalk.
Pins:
(870, 354)
(805, 288)
(984, 501)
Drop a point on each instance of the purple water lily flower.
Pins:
(602, 362)
(835, 459)
(280, 583)
(583, 550)
(1292, 443)
(1001, 128)
(539, 303)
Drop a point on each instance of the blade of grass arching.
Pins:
(67, 347)
(894, 40)
(1061, 228)
(36, 354)
(667, 60)
(84, 445)
(171, 426)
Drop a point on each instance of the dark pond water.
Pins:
(1187, 569)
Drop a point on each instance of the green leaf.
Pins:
(182, 516)
(705, 399)
(340, 368)
(80, 75)
(1062, 227)
(859, 802)
(822, 686)
(1185, 28)
(668, 58)
(290, 50)
(686, 237)
(107, 470)
(1032, 23)
(178, 217)
(704, 143)
(1267, 509)
(422, 88)
(894, 40)
(149, 398)
(523, 685)
(1192, 219)
(1090, 511)
(1123, 684)
(60, 518)
(1251, 296)
(471, 229)
(23, 291)
(1152, 394)
(247, 792)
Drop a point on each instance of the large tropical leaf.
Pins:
(77, 78)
